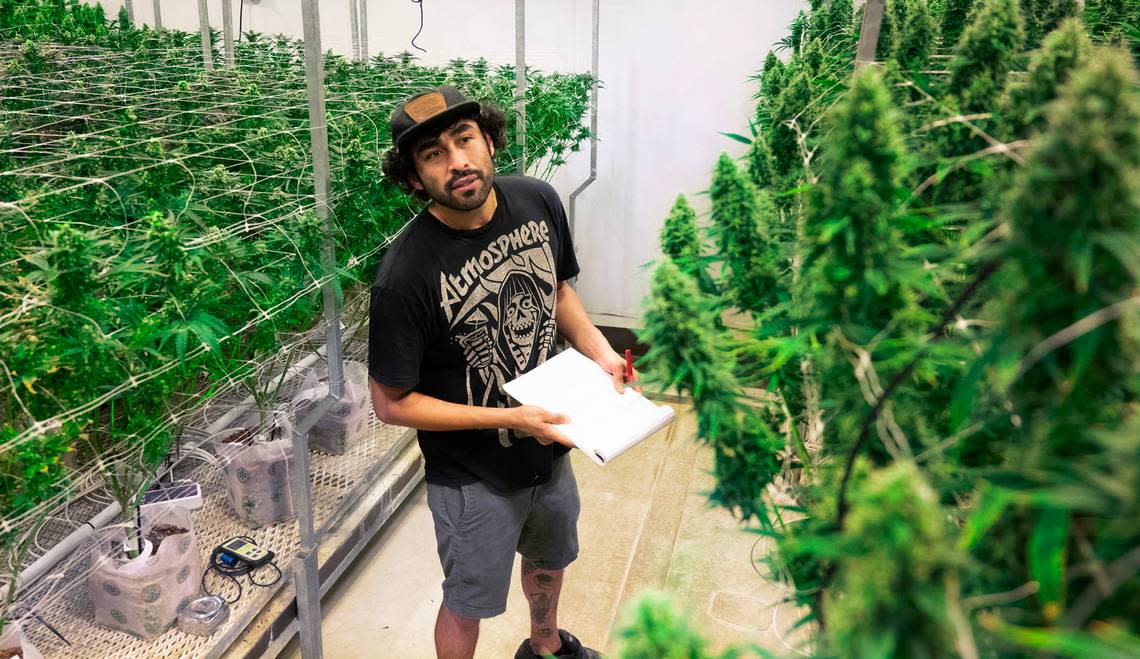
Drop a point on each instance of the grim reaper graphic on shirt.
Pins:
(500, 308)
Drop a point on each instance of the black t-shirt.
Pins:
(456, 314)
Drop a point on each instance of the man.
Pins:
(469, 296)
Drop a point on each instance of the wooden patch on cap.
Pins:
(425, 107)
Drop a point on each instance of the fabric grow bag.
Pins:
(259, 474)
(12, 638)
(143, 596)
(347, 420)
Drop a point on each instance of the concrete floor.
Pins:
(645, 524)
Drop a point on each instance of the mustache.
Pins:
(470, 172)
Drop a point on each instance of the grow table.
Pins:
(354, 494)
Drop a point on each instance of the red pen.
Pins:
(628, 366)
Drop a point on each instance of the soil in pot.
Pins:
(160, 532)
(241, 436)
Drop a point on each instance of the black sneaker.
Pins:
(571, 647)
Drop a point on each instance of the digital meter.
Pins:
(245, 551)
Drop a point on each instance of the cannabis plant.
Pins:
(950, 355)
(1075, 217)
(652, 629)
(1064, 50)
(740, 215)
(689, 356)
(954, 20)
(890, 593)
(681, 242)
(979, 71)
(916, 35)
(157, 217)
(985, 55)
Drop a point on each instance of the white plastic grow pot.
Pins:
(347, 420)
(12, 638)
(259, 470)
(143, 596)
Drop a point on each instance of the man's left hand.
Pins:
(614, 364)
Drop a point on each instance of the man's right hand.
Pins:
(536, 422)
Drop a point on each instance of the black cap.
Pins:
(427, 109)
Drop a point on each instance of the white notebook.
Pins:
(603, 423)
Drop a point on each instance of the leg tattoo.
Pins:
(542, 588)
(544, 580)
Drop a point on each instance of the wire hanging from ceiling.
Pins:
(418, 32)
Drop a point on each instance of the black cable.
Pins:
(232, 572)
(421, 4)
(241, 16)
(46, 624)
(206, 590)
(266, 585)
(138, 526)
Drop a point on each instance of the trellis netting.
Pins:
(160, 254)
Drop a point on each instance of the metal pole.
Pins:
(593, 123)
(157, 15)
(228, 31)
(363, 30)
(130, 11)
(869, 33)
(204, 26)
(306, 577)
(354, 27)
(520, 82)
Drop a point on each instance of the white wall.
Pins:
(674, 72)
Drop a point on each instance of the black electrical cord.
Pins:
(232, 572)
(206, 590)
(241, 17)
(421, 4)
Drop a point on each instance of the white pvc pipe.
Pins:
(67, 545)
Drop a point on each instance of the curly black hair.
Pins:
(399, 167)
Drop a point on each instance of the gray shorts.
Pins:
(478, 530)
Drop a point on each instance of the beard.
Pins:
(464, 200)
